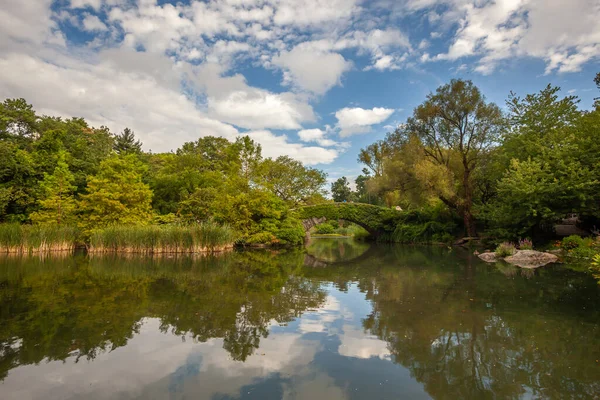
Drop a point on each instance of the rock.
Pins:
(465, 240)
(531, 259)
(488, 257)
(476, 252)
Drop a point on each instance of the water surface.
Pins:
(337, 320)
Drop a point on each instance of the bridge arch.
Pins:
(374, 219)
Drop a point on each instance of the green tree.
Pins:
(561, 176)
(117, 195)
(456, 128)
(340, 190)
(57, 205)
(17, 121)
(126, 143)
(291, 181)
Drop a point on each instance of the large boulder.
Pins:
(488, 257)
(531, 259)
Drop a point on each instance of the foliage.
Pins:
(324, 229)
(152, 239)
(455, 127)
(57, 204)
(513, 175)
(571, 242)
(373, 218)
(117, 195)
(17, 238)
(595, 267)
(505, 249)
(340, 190)
(262, 238)
(126, 143)
(291, 181)
(525, 244)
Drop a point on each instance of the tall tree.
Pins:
(456, 127)
(374, 156)
(117, 195)
(57, 205)
(17, 121)
(291, 181)
(340, 190)
(126, 143)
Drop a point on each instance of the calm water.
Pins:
(339, 320)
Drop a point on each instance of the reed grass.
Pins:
(157, 239)
(23, 239)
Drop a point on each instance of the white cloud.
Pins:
(162, 116)
(564, 34)
(275, 146)
(313, 12)
(318, 136)
(312, 70)
(95, 4)
(232, 100)
(92, 23)
(359, 120)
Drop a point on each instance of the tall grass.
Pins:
(21, 239)
(155, 239)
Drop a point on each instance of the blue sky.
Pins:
(313, 79)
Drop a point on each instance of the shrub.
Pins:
(324, 229)
(525, 244)
(290, 231)
(505, 249)
(262, 238)
(571, 242)
(596, 267)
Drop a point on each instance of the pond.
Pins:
(337, 320)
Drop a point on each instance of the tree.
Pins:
(126, 143)
(561, 176)
(456, 128)
(117, 195)
(57, 205)
(374, 156)
(17, 121)
(291, 181)
(340, 190)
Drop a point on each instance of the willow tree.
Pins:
(456, 128)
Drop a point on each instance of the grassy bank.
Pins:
(156, 239)
(21, 239)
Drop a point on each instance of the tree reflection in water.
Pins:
(466, 331)
(54, 308)
(463, 328)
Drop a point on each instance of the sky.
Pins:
(313, 79)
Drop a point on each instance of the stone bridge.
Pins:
(374, 219)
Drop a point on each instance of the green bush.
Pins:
(324, 229)
(505, 249)
(571, 242)
(290, 232)
(262, 238)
